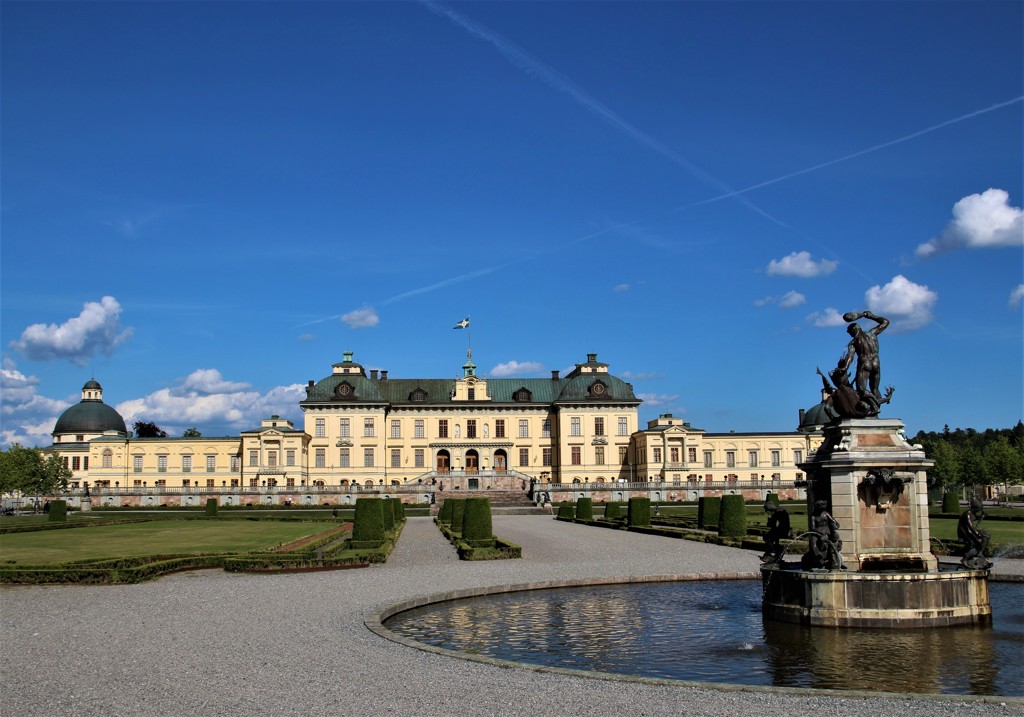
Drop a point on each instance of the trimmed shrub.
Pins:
(566, 511)
(458, 510)
(708, 509)
(476, 523)
(444, 513)
(58, 511)
(211, 507)
(638, 513)
(585, 509)
(399, 509)
(368, 527)
(388, 511)
(950, 502)
(732, 520)
(613, 511)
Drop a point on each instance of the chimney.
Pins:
(373, 374)
(554, 375)
(383, 375)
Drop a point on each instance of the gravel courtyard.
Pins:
(214, 643)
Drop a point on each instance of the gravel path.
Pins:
(214, 643)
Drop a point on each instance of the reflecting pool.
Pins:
(714, 632)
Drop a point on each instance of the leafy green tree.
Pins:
(1004, 463)
(192, 433)
(947, 469)
(148, 429)
(32, 472)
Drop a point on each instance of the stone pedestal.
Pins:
(86, 505)
(876, 486)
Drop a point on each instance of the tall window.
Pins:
(524, 456)
(545, 456)
(368, 457)
(442, 428)
(344, 428)
(471, 428)
(776, 459)
(577, 456)
(623, 426)
(798, 456)
(321, 458)
(108, 458)
(471, 394)
(574, 426)
(161, 464)
(752, 459)
(674, 454)
(418, 428)
(321, 427)
(691, 454)
(499, 427)
(254, 458)
(598, 425)
(186, 464)
(344, 458)
(623, 454)
(272, 459)
(396, 428)
(730, 459)
(657, 454)
(76, 463)
(545, 428)
(367, 428)
(599, 455)
(524, 428)
(211, 464)
(289, 457)
(708, 463)
(419, 458)
(396, 458)
(236, 464)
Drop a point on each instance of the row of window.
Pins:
(753, 457)
(474, 429)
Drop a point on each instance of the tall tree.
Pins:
(31, 472)
(148, 429)
(192, 433)
(1004, 463)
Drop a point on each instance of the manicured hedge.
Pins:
(708, 508)
(585, 509)
(639, 512)
(732, 520)
(58, 511)
(476, 523)
(368, 528)
(565, 512)
(211, 507)
(613, 511)
(950, 503)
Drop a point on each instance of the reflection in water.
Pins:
(714, 631)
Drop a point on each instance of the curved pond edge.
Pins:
(375, 623)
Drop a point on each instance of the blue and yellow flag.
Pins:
(464, 324)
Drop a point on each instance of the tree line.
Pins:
(966, 457)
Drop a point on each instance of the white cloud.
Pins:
(516, 368)
(25, 416)
(620, 287)
(789, 300)
(204, 398)
(827, 318)
(800, 263)
(96, 330)
(361, 318)
(979, 221)
(906, 304)
(657, 399)
(1017, 296)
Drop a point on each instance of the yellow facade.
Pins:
(365, 430)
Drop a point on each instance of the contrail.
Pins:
(860, 153)
(526, 62)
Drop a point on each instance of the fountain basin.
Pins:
(880, 599)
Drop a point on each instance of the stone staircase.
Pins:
(503, 502)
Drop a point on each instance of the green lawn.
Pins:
(158, 537)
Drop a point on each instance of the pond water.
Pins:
(714, 632)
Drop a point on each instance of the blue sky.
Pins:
(204, 204)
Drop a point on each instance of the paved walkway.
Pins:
(214, 643)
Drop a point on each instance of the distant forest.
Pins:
(966, 457)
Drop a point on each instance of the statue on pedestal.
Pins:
(974, 539)
(778, 530)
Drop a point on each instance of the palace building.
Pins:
(363, 430)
